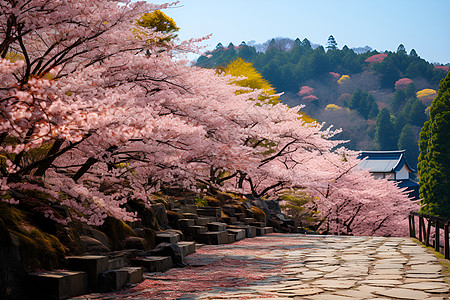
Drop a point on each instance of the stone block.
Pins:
(153, 263)
(240, 216)
(169, 249)
(247, 221)
(203, 221)
(217, 226)
(58, 284)
(250, 231)
(91, 264)
(189, 208)
(161, 214)
(135, 274)
(187, 248)
(167, 237)
(269, 230)
(260, 231)
(209, 211)
(196, 230)
(117, 263)
(258, 224)
(239, 233)
(214, 237)
(229, 220)
(190, 216)
(185, 223)
(177, 210)
(231, 238)
(112, 280)
(231, 210)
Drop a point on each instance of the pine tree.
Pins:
(331, 44)
(434, 159)
(417, 115)
(384, 131)
(408, 142)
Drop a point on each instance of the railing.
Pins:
(425, 231)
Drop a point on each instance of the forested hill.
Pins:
(346, 88)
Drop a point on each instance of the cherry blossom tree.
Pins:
(94, 113)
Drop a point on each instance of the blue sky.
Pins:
(381, 24)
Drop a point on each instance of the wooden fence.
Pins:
(426, 222)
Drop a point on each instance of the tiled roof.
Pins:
(383, 161)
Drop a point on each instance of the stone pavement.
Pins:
(295, 266)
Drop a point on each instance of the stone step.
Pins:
(185, 223)
(258, 224)
(213, 237)
(167, 237)
(204, 220)
(231, 238)
(153, 263)
(231, 210)
(112, 280)
(247, 221)
(188, 208)
(117, 263)
(57, 284)
(238, 233)
(250, 231)
(93, 265)
(269, 229)
(209, 211)
(190, 216)
(187, 248)
(135, 274)
(177, 210)
(229, 220)
(239, 216)
(217, 226)
(196, 230)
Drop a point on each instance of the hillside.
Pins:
(331, 82)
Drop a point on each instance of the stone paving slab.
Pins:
(295, 266)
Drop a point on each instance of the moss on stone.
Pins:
(39, 250)
(117, 230)
(213, 202)
(258, 214)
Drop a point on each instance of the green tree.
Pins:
(355, 100)
(384, 131)
(434, 159)
(398, 100)
(389, 73)
(408, 142)
(331, 44)
(417, 115)
(413, 53)
(364, 103)
(401, 49)
(410, 91)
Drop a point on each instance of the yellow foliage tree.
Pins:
(161, 23)
(426, 96)
(343, 79)
(247, 76)
(332, 107)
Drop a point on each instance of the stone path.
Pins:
(298, 266)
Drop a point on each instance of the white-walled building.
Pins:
(391, 165)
